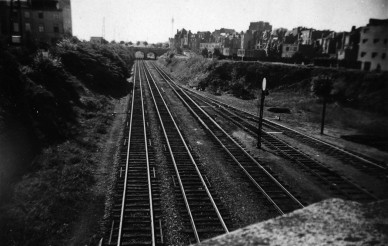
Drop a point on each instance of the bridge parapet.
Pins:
(149, 50)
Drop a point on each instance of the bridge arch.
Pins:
(151, 55)
(149, 51)
(139, 54)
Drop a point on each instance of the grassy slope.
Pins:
(361, 106)
(62, 102)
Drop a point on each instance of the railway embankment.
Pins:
(60, 118)
(356, 115)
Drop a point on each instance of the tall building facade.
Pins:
(41, 22)
(373, 46)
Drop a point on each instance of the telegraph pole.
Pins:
(263, 94)
(172, 27)
(103, 27)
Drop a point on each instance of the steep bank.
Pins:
(353, 88)
(359, 106)
(61, 106)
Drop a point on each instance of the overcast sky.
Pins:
(150, 20)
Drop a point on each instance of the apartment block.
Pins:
(373, 46)
(40, 22)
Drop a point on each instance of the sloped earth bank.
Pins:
(101, 152)
(91, 223)
(68, 115)
(360, 106)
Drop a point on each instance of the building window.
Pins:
(364, 40)
(15, 13)
(363, 54)
(383, 55)
(28, 27)
(375, 40)
(41, 28)
(56, 16)
(366, 30)
(374, 54)
(56, 29)
(385, 41)
(27, 15)
(16, 39)
(295, 48)
(40, 15)
(16, 27)
(287, 48)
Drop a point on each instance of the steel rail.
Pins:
(126, 166)
(174, 162)
(194, 162)
(301, 154)
(312, 138)
(252, 129)
(137, 124)
(231, 155)
(148, 168)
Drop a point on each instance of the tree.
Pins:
(298, 57)
(122, 42)
(145, 43)
(205, 53)
(130, 43)
(138, 43)
(217, 53)
(322, 87)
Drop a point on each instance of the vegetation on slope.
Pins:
(61, 101)
(358, 98)
(353, 88)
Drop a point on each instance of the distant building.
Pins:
(347, 51)
(330, 43)
(260, 26)
(96, 40)
(171, 42)
(40, 22)
(373, 46)
(210, 46)
(289, 50)
(65, 5)
(182, 38)
(247, 41)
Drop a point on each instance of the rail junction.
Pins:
(137, 212)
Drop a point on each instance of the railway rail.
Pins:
(273, 193)
(203, 217)
(338, 185)
(136, 212)
(357, 160)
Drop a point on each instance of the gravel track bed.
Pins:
(287, 172)
(171, 218)
(232, 187)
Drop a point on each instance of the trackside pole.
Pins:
(263, 94)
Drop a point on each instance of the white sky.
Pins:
(133, 20)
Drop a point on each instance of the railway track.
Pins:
(272, 192)
(136, 211)
(356, 160)
(202, 216)
(338, 185)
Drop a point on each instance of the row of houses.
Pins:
(40, 22)
(363, 47)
